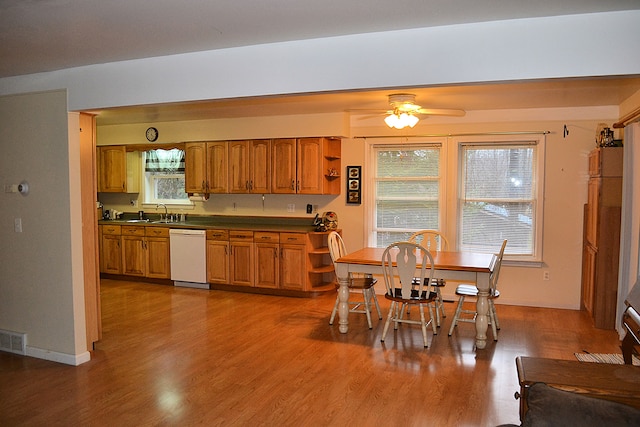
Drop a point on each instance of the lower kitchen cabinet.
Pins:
(218, 256)
(133, 251)
(290, 261)
(293, 261)
(157, 252)
(267, 260)
(241, 259)
(110, 249)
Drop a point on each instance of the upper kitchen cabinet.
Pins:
(306, 166)
(284, 176)
(118, 170)
(250, 166)
(206, 167)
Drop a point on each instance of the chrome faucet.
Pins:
(166, 215)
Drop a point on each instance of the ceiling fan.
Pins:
(404, 111)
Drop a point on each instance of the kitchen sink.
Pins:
(138, 220)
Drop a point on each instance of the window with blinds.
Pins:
(407, 191)
(164, 177)
(498, 197)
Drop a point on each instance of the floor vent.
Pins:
(13, 342)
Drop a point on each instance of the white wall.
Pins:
(41, 290)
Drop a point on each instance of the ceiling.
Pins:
(46, 35)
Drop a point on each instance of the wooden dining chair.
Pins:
(433, 240)
(401, 289)
(471, 291)
(358, 284)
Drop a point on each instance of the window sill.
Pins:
(523, 263)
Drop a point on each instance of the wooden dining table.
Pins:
(468, 267)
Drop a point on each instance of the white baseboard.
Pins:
(54, 356)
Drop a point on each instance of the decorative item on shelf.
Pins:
(328, 222)
(332, 172)
(354, 185)
(604, 137)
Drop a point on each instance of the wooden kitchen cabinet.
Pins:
(133, 251)
(112, 169)
(293, 261)
(250, 166)
(284, 161)
(241, 260)
(118, 170)
(297, 262)
(195, 167)
(601, 246)
(206, 166)
(218, 256)
(304, 164)
(267, 259)
(157, 247)
(110, 249)
(320, 267)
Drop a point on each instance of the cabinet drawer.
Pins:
(156, 231)
(294, 238)
(239, 235)
(129, 230)
(111, 229)
(263, 236)
(217, 234)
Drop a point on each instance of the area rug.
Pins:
(605, 358)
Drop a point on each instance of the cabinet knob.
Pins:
(293, 184)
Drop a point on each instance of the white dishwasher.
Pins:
(188, 258)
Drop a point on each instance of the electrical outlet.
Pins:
(133, 202)
(291, 207)
(17, 225)
(545, 275)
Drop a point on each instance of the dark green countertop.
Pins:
(276, 224)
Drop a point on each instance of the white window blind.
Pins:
(498, 197)
(407, 191)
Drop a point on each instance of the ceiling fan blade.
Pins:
(441, 112)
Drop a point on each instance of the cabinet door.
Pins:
(310, 166)
(239, 166)
(588, 277)
(158, 261)
(217, 173)
(293, 267)
(283, 172)
(195, 167)
(241, 264)
(111, 255)
(593, 203)
(267, 265)
(260, 166)
(133, 255)
(112, 169)
(218, 261)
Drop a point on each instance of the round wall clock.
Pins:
(152, 134)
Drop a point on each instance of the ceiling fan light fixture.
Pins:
(401, 120)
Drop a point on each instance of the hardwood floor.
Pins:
(178, 356)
